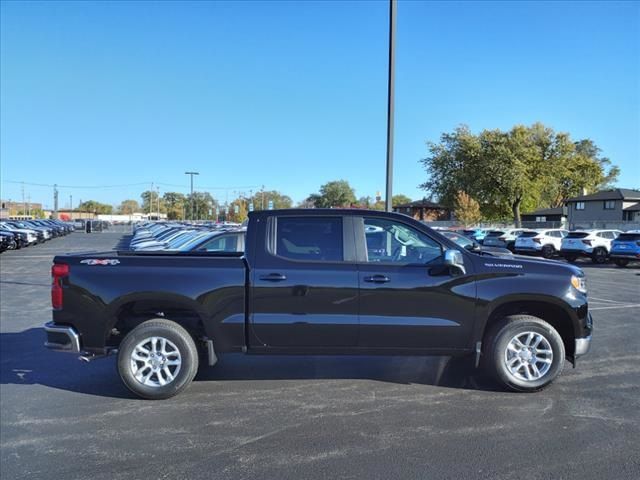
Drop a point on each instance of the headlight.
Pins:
(579, 283)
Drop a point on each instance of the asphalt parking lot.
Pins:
(313, 417)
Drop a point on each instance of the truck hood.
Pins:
(525, 264)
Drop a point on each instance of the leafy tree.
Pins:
(261, 200)
(399, 199)
(175, 203)
(237, 211)
(337, 193)
(525, 167)
(95, 207)
(204, 206)
(128, 207)
(466, 209)
(150, 202)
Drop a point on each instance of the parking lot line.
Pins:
(633, 305)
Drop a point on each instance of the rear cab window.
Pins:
(309, 238)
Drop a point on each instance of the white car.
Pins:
(588, 243)
(545, 242)
(505, 238)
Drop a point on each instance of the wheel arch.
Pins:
(558, 316)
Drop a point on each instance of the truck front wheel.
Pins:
(157, 359)
(524, 353)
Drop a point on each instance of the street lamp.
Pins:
(393, 5)
(191, 206)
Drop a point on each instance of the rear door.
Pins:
(304, 284)
(408, 298)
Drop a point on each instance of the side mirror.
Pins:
(454, 258)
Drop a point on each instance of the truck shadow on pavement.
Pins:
(25, 360)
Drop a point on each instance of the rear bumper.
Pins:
(62, 338)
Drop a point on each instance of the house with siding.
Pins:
(618, 205)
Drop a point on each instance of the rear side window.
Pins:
(628, 237)
(494, 233)
(528, 234)
(309, 238)
(577, 235)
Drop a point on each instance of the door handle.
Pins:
(273, 277)
(377, 279)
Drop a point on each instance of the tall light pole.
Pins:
(191, 199)
(393, 5)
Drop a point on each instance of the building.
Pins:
(546, 215)
(14, 209)
(424, 210)
(618, 205)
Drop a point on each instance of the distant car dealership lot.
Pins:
(313, 417)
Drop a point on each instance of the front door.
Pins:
(304, 291)
(408, 298)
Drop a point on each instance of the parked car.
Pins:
(25, 237)
(7, 240)
(504, 238)
(476, 234)
(311, 282)
(626, 248)
(545, 242)
(220, 241)
(473, 246)
(595, 244)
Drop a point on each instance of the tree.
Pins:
(175, 203)
(152, 202)
(128, 207)
(337, 193)
(261, 200)
(204, 206)
(399, 199)
(466, 209)
(237, 211)
(95, 207)
(523, 168)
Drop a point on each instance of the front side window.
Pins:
(395, 242)
(309, 238)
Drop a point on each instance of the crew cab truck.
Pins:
(320, 282)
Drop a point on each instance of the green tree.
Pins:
(466, 209)
(128, 207)
(152, 202)
(95, 207)
(261, 200)
(337, 193)
(399, 199)
(523, 168)
(204, 206)
(175, 203)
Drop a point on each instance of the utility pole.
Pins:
(262, 191)
(71, 202)
(24, 205)
(191, 198)
(55, 200)
(150, 200)
(158, 192)
(393, 5)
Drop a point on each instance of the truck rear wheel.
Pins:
(157, 359)
(524, 353)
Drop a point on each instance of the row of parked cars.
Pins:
(598, 245)
(182, 237)
(16, 234)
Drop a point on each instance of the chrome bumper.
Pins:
(582, 346)
(62, 338)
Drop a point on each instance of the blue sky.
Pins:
(291, 95)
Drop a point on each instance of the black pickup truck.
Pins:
(320, 282)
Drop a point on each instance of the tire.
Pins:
(499, 354)
(621, 262)
(548, 251)
(599, 255)
(571, 258)
(177, 367)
